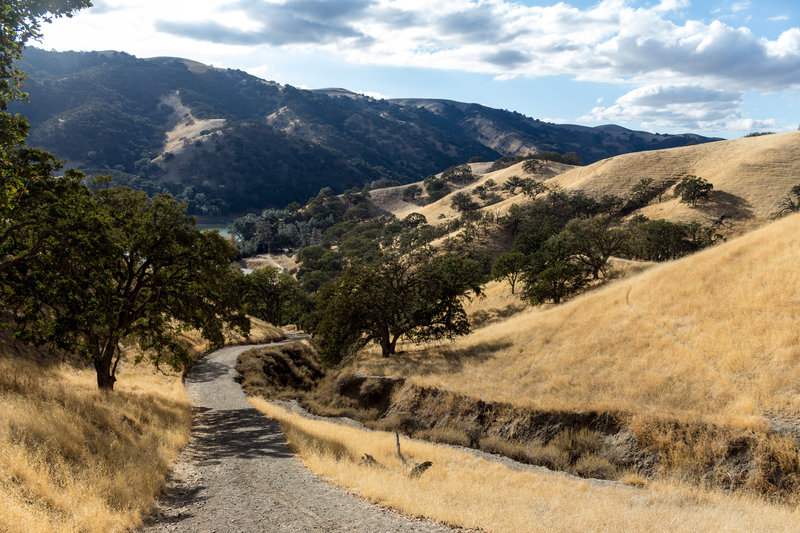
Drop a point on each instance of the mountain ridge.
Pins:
(104, 112)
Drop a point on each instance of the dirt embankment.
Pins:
(601, 445)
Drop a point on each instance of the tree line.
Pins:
(376, 278)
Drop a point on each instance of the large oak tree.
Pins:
(418, 296)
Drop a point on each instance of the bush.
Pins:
(436, 187)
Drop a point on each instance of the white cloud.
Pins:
(680, 106)
(740, 6)
(671, 5)
(779, 18)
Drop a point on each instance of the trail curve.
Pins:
(237, 473)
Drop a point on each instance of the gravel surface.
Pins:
(237, 474)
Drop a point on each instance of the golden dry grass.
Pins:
(469, 491)
(712, 336)
(750, 176)
(77, 459)
(390, 199)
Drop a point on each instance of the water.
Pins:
(222, 227)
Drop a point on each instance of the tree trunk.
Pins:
(385, 345)
(105, 374)
(388, 345)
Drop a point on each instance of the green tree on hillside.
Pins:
(93, 270)
(463, 202)
(509, 266)
(693, 188)
(417, 296)
(595, 240)
(411, 192)
(271, 295)
(553, 272)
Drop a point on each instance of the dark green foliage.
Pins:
(553, 272)
(512, 183)
(295, 169)
(89, 270)
(507, 161)
(436, 187)
(662, 240)
(693, 188)
(118, 267)
(509, 266)
(570, 158)
(411, 192)
(460, 174)
(641, 193)
(416, 296)
(594, 241)
(531, 166)
(463, 202)
(272, 295)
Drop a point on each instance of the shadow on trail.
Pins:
(239, 433)
(206, 371)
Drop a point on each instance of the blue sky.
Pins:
(713, 67)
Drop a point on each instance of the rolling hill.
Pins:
(708, 337)
(750, 177)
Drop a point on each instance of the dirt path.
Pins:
(238, 475)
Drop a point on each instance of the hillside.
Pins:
(750, 177)
(515, 134)
(710, 337)
(224, 141)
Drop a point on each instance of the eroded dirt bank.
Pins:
(601, 445)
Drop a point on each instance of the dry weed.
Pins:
(468, 491)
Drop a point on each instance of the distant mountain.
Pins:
(227, 142)
(512, 133)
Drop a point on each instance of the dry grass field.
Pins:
(389, 200)
(750, 177)
(77, 459)
(710, 337)
(469, 491)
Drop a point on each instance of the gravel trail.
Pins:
(237, 473)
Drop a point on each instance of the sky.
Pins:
(714, 67)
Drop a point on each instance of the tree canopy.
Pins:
(92, 269)
(418, 296)
(693, 188)
(116, 268)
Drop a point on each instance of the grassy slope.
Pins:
(76, 459)
(712, 335)
(390, 199)
(750, 176)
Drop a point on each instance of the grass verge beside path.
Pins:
(465, 490)
(77, 459)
